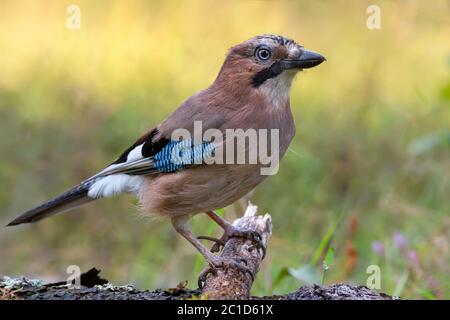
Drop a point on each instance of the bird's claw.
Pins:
(225, 263)
(252, 235)
(233, 232)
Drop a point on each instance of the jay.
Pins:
(251, 91)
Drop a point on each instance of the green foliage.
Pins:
(327, 263)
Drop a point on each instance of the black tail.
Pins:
(68, 200)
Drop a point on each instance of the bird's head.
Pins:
(267, 63)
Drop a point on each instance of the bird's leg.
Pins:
(231, 231)
(214, 261)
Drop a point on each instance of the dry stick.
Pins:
(232, 283)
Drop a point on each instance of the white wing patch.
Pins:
(115, 184)
(135, 154)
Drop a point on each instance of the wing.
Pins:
(150, 154)
(137, 157)
(154, 152)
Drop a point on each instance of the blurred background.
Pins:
(366, 181)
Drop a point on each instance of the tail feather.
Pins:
(74, 197)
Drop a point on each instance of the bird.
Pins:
(250, 92)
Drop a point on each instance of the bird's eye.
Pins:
(263, 54)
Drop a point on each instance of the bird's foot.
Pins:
(231, 231)
(224, 263)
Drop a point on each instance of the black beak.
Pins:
(307, 59)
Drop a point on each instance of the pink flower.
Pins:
(399, 240)
(378, 248)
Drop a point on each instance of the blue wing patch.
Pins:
(177, 155)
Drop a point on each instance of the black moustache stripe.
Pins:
(271, 72)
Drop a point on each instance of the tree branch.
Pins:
(231, 283)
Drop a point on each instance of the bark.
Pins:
(26, 289)
(231, 283)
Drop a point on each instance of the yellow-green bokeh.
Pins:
(72, 100)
